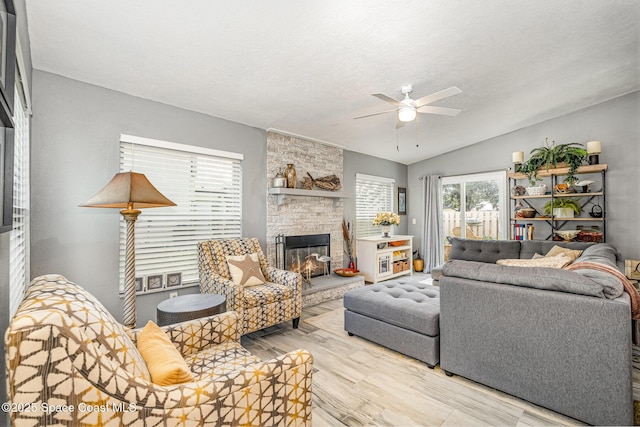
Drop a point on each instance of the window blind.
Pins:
(19, 237)
(207, 190)
(373, 194)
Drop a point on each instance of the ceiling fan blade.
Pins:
(453, 90)
(375, 114)
(387, 99)
(439, 110)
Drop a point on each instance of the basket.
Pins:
(537, 191)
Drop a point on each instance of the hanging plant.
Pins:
(550, 156)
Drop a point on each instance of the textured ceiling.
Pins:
(309, 67)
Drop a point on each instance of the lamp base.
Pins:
(594, 159)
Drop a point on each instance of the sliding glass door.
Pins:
(474, 207)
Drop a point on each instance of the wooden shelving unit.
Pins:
(378, 260)
(558, 223)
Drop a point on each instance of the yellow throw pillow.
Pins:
(164, 362)
(245, 270)
(551, 262)
(572, 254)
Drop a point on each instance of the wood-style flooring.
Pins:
(359, 383)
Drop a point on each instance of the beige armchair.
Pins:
(278, 300)
(69, 363)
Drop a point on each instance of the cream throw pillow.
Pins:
(164, 362)
(559, 250)
(551, 262)
(245, 270)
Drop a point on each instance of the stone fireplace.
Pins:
(304, 215)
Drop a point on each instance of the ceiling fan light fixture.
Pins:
(406, 114)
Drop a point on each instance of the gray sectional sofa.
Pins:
(557, 338)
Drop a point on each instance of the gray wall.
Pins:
(361, 163)
(76, 129)
(615, 123)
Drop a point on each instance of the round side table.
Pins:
(189, 307)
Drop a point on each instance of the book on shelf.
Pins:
(523, 231)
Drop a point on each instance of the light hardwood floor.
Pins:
(357, 382)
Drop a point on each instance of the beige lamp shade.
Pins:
(128, 188)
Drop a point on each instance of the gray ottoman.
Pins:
(403, 316)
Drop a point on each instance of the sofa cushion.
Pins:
(245, 269)
(163, 360)
(551, 279)
(484, 250)
(529, 247)
(572, 254)
(548, 261)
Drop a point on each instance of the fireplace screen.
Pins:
(302, 254)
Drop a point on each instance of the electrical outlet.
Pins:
(173, 294)
(632, 268)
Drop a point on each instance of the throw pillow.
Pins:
(550, 262)
(163, 360)
(559, 250)
(245, 270)
(537, 256)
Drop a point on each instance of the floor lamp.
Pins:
(128, 191)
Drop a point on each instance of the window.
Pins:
(206, 186)
(474, 206)
(19, 238)
(373, 194)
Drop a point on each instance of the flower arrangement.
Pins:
(386, 218)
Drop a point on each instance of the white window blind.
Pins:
(19, 238)
(373, 194)
(206, 186)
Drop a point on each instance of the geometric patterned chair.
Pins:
(278, 300)
(64, 348)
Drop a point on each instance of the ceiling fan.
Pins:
(408, 108)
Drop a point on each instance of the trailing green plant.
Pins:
(549, 156)
(563, 202)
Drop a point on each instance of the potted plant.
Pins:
(563, 207)
(551, 155)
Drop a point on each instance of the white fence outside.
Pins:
(480, 224)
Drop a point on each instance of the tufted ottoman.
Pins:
(401, 315)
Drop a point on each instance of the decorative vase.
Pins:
(418, 265)
(290, 174)
(386, 229)
(279, 181)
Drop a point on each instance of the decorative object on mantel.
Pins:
(290, 174)
(386, 220)
(552, 155)
(594, 148)
(128, 191)
(329, 183)
(279, 181)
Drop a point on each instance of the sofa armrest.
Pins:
(212, 283)
(196, 335)
(284, 277)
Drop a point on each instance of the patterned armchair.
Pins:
(276, 301)
(64, 348)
